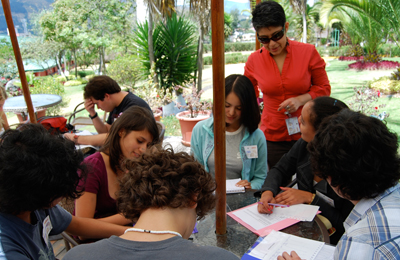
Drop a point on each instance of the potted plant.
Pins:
(153, 95)
(196, 110)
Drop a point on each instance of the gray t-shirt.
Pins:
(117, 248)
(234, 163)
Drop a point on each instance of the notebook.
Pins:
(273, 245)
(231, 188)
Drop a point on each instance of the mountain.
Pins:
(238, 4)
(21, 11)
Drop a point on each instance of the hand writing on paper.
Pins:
(292, 196)
(290, 105)
(244, 183)
(266, 197)
(285, 256)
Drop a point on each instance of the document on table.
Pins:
(276, 243)
(83, 146)
(231, 186)
(262, 224)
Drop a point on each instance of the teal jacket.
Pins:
(254, 170)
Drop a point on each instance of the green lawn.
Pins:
(343, 80)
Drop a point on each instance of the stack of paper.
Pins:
(276, 243)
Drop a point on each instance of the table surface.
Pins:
(39, 101)
(238, 238)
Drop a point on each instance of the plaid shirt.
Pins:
(373, 228)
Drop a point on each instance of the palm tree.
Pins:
(361, 19)
(157, 9)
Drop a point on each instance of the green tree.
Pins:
(227, 25)
(362, 20)
(235, 18)
(8, 68)
(174, 51)
(300, 7)
(63, 25)
(385, 13)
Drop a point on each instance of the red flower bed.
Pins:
(346, 58)
(382, 65)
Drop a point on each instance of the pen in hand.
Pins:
(275, 204)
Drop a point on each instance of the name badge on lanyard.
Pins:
(47, 227)
(292, 124)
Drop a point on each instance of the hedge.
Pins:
(232, 58)
(233, 46)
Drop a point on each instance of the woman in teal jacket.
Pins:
(246, 148)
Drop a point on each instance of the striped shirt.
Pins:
(372, 230)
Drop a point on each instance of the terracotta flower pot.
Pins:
(157, 114)
(188, 123)
(40, 113)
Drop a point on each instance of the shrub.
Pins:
(232, 58)
(75, 82)
(365, 101)
(84, 73)
(61, 79)
(337, 51)
(50, 85)
(233, 46)
(125, 70)
(385, 64)
(389, 50)
(345, 58)
(323, 41)
(321, 50)
(386, 85)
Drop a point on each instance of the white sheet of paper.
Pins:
(302, 212)
(256, 220)
(83, 146)
(327, 253)
(277, 242)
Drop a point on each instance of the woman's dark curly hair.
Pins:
(357, 152)
(36, 168)
(162, 178)
(134, 118)
(268, 13)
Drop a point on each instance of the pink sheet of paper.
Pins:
(264, 231)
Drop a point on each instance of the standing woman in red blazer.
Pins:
(288, 73)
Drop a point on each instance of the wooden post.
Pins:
(258, 45)
(18, 59)
(218, 66)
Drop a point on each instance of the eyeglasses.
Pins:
(276, 37)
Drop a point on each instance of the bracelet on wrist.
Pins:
(93, 117)
(312, 198)
(76, 138)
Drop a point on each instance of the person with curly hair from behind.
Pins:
(164, 193)
(37, 170)
(358, 156)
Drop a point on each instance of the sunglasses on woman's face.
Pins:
(276, 37)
